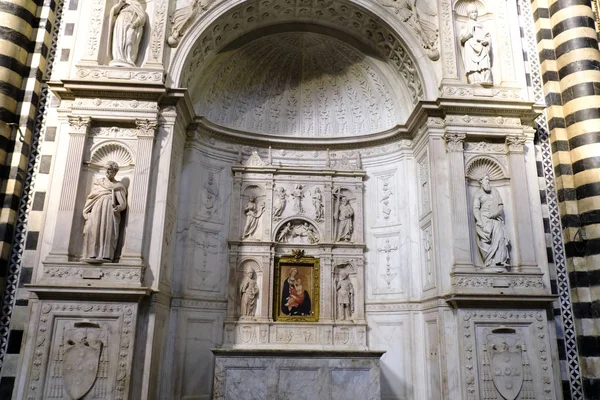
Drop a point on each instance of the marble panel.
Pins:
(245, 383)
(298, 384)
(350, 383)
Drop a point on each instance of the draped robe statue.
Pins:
(249, 291)
(102, 215)
(476, 40)
(127, 22)
(491, 233)
(345, 220)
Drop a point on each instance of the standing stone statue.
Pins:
(253, 214)
(127, 27)
(102, 215)
(491, 231)
(298, 196)
(345, 219)
(345, 297)
(249, 291)
(477, 43)
(279, 202)
(317, 200)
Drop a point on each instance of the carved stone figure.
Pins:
(477, 44)
(181, 17)
(127, 27)
(491, 231)
(345, 220)
(426, 31)
(283, 234)
(317, 199)
(253, 213)
(249, 292)
(212, 191)
(345, 297)
(298, 196)
(102, 215)
(279, 202)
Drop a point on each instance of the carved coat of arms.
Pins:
(81, 361)
(507, 369)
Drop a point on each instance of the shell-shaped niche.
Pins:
(482, 166)
(460, 8)
(111, 152)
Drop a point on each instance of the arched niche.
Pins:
(367, 22)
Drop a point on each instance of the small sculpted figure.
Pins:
(253, 214)
(279, 202)
(102, 215)
(127, 22)
(491, 231)
(249, 291)
(345, 219)
(477, 44)
(345, 297)
(298, 196)
(317, 199)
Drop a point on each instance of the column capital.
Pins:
(79, 125)
(455, 141)
(146, 127)
(515, 143)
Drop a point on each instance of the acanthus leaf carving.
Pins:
(455, 141)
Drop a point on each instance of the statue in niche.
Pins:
(249, 292)
(128, 18)
(491, 231)
(253, 213)
(279, 203)
(344, 215)
(298, 196)
(477, 44)
(345, 297)
(317, 200)
(212, 191)
(102, 215)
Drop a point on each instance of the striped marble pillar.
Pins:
(570, 63)
(23, 52)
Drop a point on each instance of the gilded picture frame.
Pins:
(297, 289)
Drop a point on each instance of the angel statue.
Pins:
(426, 31)
(181, 18)
(298, 196)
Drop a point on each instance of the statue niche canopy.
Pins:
(301, 84)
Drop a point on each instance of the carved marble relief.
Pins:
(182, 18)
(385, 199)
(424, 195)
(427, 251)
(211, 191)
(418, 15)
(317, 200)
(82, 350)
(128, 18)
(476, 43)
(297, 231)
(388, 274)
(102, 215)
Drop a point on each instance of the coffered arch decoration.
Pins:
(387, 37)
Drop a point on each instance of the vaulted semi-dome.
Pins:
(301, 84)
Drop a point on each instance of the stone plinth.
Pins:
(270, 374)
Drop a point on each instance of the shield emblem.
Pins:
(343, 335)
(247, 333)
(507, 370)
(82, 358)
